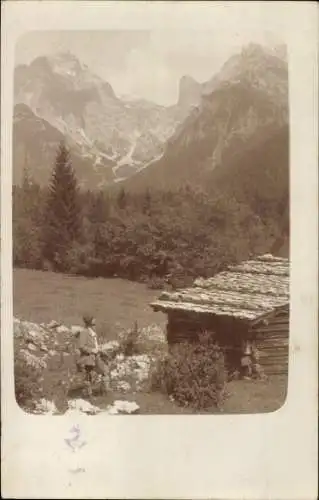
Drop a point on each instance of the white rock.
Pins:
(114, 374)
(34, 335)
(53, 324)
(32, 327)
(32, 360)
(31, 347)
(83, 406)
(126, 406)
(45, 407)
(62, 329)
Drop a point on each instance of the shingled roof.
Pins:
(248, 291)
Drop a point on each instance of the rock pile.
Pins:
(80, 406)
(130, 373)
(39, 344)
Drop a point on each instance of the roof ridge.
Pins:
(243, 290)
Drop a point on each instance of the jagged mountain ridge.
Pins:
(115, 138)
(262, 69)
(85, 109)
(249, 101)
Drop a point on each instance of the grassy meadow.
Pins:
(42, 296)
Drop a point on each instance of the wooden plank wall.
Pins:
(272, 341)
(181, 328)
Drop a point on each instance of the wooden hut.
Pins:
(249, 301)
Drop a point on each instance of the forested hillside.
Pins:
(166, 235)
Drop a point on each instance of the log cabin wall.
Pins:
(230, 303)
(229, 334)
(272, 341)
(185, 327)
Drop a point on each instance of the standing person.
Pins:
(257, 370)
(246, 360)
(88, 348)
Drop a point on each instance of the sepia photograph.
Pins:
(159, 214)
(150, 222)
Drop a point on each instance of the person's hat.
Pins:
(88, 320)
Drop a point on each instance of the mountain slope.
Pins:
(259, 176)
(227, 121)
(115, 139)
(249, 100)
(258, 67)
(85, 109)
(35, 144)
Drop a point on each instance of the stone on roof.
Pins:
(248, 291)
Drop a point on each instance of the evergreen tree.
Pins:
(63, 218)
(26, 180)
(122, 199)
(146, 204)
(99, 207)
(27, 197)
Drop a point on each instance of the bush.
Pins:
(156, 283)
(129, 342)
(193, 374)
(26, 381)
(35, 378)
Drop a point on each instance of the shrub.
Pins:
(26, 381)
(35, 379)
(129, 342)
(77, 258)
(193, 374)
(156, 283)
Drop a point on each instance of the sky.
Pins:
(146, 64)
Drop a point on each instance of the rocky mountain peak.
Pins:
(125, 135)
(255, 67)
(66, 62)
(189, 91)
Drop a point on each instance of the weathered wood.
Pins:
(251, 290)
(271, 258)
(272, 346)
(224, 298)
(273, 349)
(248, 301)
(276, 361)
(272, 354)
(280, 330)
(273, 269)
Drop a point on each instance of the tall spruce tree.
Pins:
(63, 218)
